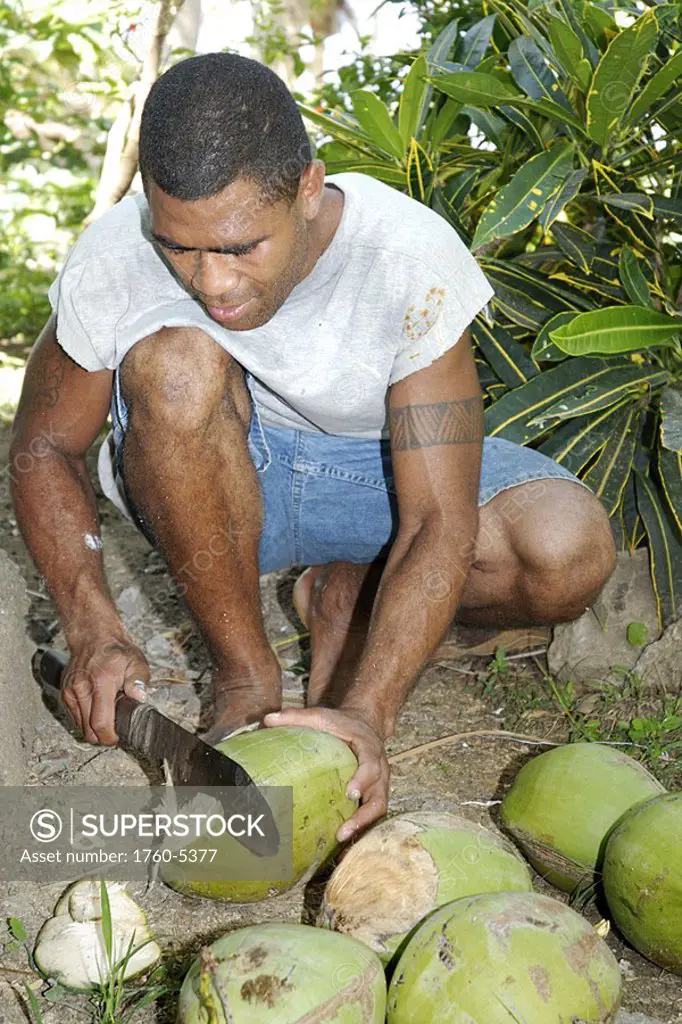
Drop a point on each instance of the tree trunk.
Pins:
(120, 162)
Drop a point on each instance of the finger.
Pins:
(370, 812)
(369, 772)
(80, 688)
(313, 718)
(102, 712)
(71, 704)
(135, 689)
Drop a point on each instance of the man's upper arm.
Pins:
(436, 432)
(60, 401)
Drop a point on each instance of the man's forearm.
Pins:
(56, 513)
(417, 598)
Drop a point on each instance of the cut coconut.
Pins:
(643, 879)
(71, 948)
(318, 767)
(401, 870)
(503, 957)
(288, 973)
(563, 803)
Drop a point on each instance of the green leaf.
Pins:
(376, 121)
(665, 550)
(36, 1015)
(612, 387)
(544, 349)
(610, 473)
(17, 929)
(522, 199)
(671, 418)
(472, 47)
(570, 53)
(475, 88)
(669, 208)
(442, 124)
(634, 281)
(636, 202)
(617, 76)
(443, 43)
(616, 329)
(510, 416)
(389, 173)
(555, 204)
(413, 101)
(579, 246)
(107, 932)
(573, 444)
(670, 472)
(532, 74)
(419, 173)
(343, 128)
(637, 633)
(551, 109)
(508, 358)
(520, 120)
(657, 85)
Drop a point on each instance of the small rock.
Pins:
(586, 651)
(660, 665)
(133, 604)
(159, 648)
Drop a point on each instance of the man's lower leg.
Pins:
(189, 473)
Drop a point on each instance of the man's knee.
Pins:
(567, 552)
(180, 378)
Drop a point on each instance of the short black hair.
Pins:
(215, 118)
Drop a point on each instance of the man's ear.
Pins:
(311, 189)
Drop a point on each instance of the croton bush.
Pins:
(548, 135)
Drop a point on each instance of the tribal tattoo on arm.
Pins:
(421, 426)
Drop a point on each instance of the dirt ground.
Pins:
(467, 777)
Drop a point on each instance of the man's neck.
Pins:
(326, 223)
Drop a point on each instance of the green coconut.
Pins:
(71, 947)
(285, 973)
(404, 868)
(318, 766)
(642, 878)
(502, 957)
(563, 803)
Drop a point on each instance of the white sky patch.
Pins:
(92, 541)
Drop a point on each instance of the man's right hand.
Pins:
(98, 669)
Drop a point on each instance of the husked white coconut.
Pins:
(71, 947)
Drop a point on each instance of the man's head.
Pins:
(226, 164)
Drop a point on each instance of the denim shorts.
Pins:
(329, 498)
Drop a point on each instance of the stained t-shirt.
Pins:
(394, 289)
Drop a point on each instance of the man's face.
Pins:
(244, 288)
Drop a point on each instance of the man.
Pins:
(290, 377)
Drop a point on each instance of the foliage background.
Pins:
(546, 131)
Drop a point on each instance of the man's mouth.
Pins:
(225, 314)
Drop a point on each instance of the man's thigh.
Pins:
(331, 498)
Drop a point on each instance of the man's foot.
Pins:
(332, 602)
(238, 706)
(461, 641)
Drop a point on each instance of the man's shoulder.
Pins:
(118, 229)
(403, 231)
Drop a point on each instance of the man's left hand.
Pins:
(370, 784)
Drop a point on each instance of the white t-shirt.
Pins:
(394, 289)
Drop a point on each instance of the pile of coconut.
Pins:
(429, 916)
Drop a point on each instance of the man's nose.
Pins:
(217, 277)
